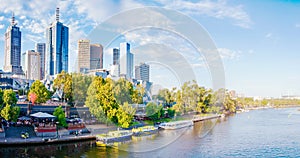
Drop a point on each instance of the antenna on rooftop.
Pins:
(57, 14)
(13, 19)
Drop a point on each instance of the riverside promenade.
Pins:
(46, 140)
(34, 140)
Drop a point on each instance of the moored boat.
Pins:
(112, 137)
(197, 118)
(176, 124)
(146, 130)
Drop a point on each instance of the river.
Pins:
(258, 133)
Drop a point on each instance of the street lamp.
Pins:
(57, 129)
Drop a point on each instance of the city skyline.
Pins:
(254, 47)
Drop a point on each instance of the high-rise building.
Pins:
(126, 61)
(90, 56)
(142, 72)
(41, 48)
(57, 46)
(96, 56)
(32, 65)
(12, 48)
(116, 56)
(83, 55)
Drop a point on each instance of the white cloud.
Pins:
(1, 18)
(217, 9)
(226, 53)
(1, 26)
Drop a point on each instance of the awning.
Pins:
(24, 118)
(42, 115)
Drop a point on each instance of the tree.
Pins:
(9, 97)
(125, 115)
(1, 99)
(101, 98)
(10, 113)
(123, 91)
(80, 85)
(63, 82)
(5, 113)
(41, 92)
(60, 115)
(166, 96)
(137, 95)
(14, 112)
(154, 111)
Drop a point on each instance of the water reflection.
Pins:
(67, 150)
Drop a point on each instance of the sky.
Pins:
(258, 41)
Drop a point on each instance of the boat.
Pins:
(113, 137)
(146, 130)
(176, 124)
(197, 118)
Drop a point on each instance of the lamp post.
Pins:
(56, 129)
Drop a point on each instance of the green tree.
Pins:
(60, 115)
(101, 98)
(5, 113)
(1, 99)
(123, 91)
(80, 84)
(171, 112)
(137, 95)
(14, 112)
(63, 82)
(10, 112)
(166, 96)
(125, 115)
(41, 92)
(154, 111)
(9, 97)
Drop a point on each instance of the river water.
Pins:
(258, 133)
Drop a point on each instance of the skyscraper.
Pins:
(12, 47)
(126, 61)
(96, 56)
(83, 55)
(90, 56)
(142, 72)
(57, 46)
(40, 48)
(116, 56)
(32, 65)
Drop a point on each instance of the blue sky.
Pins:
(259, 41)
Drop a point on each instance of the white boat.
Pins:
(112, 137)
(176, 124)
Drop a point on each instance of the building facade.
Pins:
(126, 61)
(83, 56)
(57, 47)
(32, 65)
(41, 48)
(90, 56)
(116, 56)
(12, 48)
(96, 56)
(142, 72)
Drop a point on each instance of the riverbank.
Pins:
(94, 129)
(44, 141)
